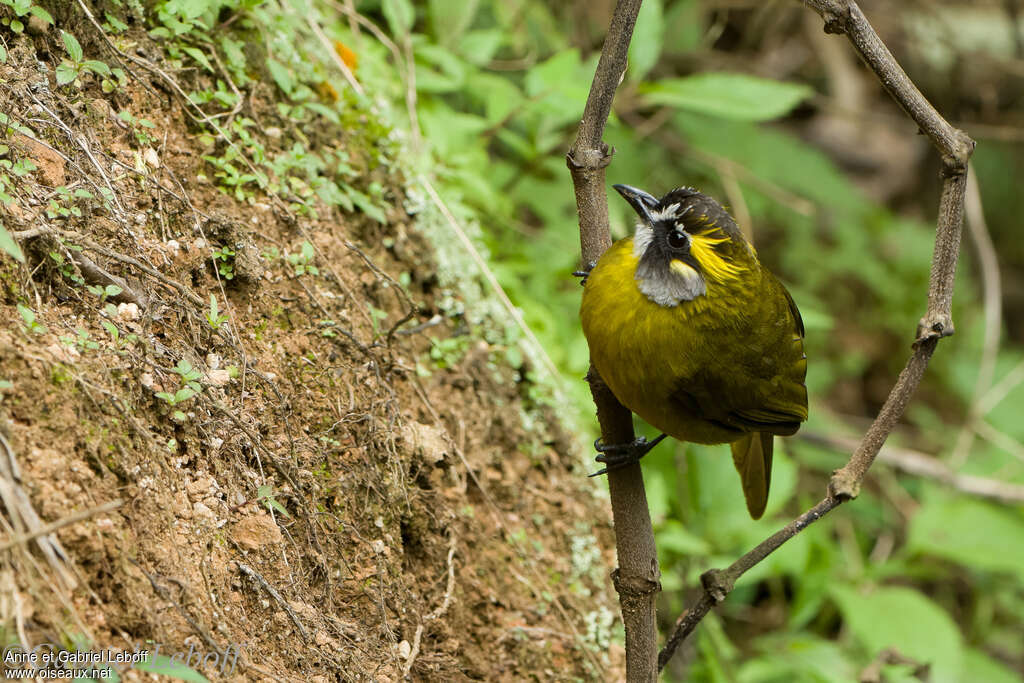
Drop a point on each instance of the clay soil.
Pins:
(332, 503)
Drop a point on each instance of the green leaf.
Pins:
(729, 96)
(66, 72)
(199, 56)
(984, 668)
(367, 206)
(72, 46)
(673, 537)
(903, 619)
(400, 15)
(967, 531)
(116, 24)
(40, 13)
(8, 245)
(96, 66)
(479, 47)
(281, 75)
(648, 35)
(450, 18)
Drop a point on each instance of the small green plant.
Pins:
(213, 315)
(225, 259)
(70, 69)
(139, 127)
(80, 340)
(104, 293)
(302, 261)
(190, 387)
(23, 8)
(29, 317)
(115, 335)
(447, 353)
(327, 329)
(265, 493)
(67, 205)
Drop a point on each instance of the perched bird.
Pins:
(694, 335)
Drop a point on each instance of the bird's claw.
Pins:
(618, 455)
(584, 272)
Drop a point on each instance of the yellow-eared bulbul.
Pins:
(694, 335)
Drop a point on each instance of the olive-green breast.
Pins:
(707, 370)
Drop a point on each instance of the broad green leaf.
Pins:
(478, 47)
(552, 73)
(451, 18)
(797, 658)
(904, 619)
(673, 537)
(66, 72)
(727, 95)
(96, 66)
(400, 15)
(41, 13)
(983, 668)
(970, 532)
(281, 75)
(199, 56)
(645, 48)
(8, 245)
(72, 46)
(438, 70)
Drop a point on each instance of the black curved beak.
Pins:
(641, 202)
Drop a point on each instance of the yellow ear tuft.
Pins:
(711, 262)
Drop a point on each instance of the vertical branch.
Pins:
(636, 579)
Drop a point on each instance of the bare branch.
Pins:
(844, 16)
(637, 578)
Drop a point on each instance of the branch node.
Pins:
(954, 161)
(717, 584)
(590, 159)
(934, 326)
(633, 585)
(836, 17)
(844, 485)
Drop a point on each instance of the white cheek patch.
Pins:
(670, 288)
(642, 239)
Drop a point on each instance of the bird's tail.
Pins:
(752, 456)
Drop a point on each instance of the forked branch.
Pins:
(844, 16)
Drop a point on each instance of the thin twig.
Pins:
(637, 577)
(844, 16)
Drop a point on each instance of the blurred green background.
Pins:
(752, 103)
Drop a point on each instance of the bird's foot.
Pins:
(618, 455)
(584, 272)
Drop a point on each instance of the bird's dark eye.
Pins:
(677, 239)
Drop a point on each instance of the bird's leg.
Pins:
(584, 272)
(618, 455)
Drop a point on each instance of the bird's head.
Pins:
(683, 241)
